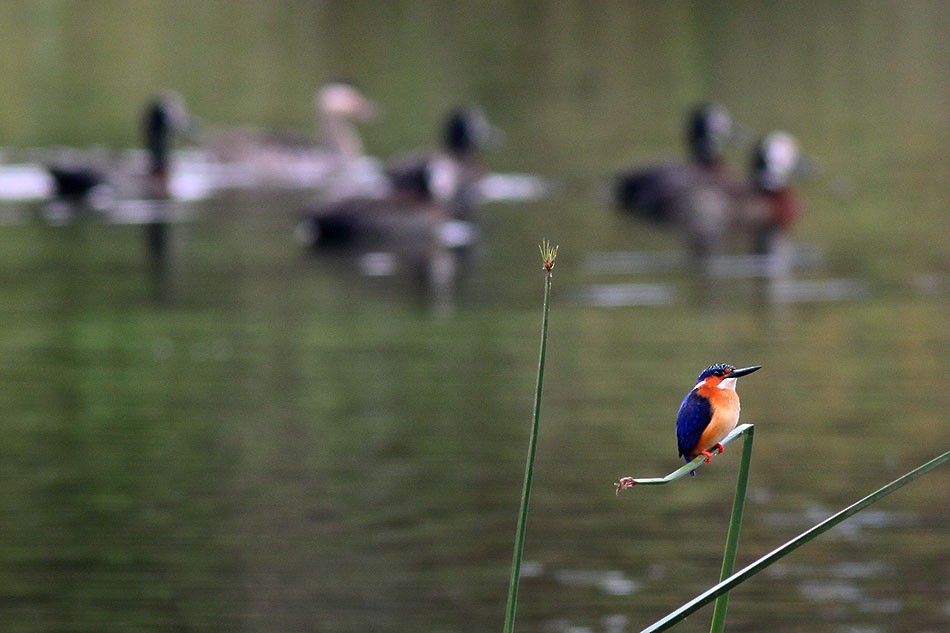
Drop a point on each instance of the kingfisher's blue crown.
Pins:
(715, 370)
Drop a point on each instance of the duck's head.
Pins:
(165, 117)
(344, 100)
(775, 160)
(468, 130)
(173, 105)
(167, 114)
(709, 129)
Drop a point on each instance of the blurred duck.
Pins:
(456, 168)
(711, 209)
(429, 198)
(300, 157)
(415, 229)
(338, 104)
(416, 215)
(759, 214)
(97, 182)
(774, 204)
(164, 117)
(655, 193)
(466, 134)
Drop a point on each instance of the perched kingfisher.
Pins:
(709, 412)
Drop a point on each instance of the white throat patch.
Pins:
(727, 383)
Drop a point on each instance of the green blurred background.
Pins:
(282, 444)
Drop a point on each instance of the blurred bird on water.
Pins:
(755, 216)
(429, 199)
(709, 412)
(332, 157)
(457, 166)
(82, 179)
(416, 219)
(424, 219)
(653, 193)
(775, 160)
(708, 207)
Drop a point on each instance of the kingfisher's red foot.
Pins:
(708, 455)
(722, 449)
(624, 483)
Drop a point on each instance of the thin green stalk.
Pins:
(732, 537)
(754, 568)
(548, 254)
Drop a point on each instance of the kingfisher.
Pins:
(709, 412)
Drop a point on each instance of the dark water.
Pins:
(274, 442)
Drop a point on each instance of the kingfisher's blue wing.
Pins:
(693, 418)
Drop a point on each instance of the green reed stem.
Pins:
(548, 254)
(732, 537)
(686, 469)
(754, 568)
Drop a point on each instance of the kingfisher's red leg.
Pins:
(708, 455)
(721, 448)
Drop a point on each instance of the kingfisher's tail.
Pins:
(692, 473)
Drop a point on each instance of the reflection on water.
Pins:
(614, 295)
(853, 529)
(839, 586)
(613, 583)
(284, 442)
(289, 445)
(803, 258)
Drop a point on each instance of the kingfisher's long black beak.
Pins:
(745, 371)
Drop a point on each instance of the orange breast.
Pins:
(725, 416)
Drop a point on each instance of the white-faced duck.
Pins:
(702, 201)
(776, 207)
(755, 217)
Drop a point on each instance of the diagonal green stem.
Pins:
(732, 537)
(529, 469)
(751, 570)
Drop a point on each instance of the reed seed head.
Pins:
(548, 255)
